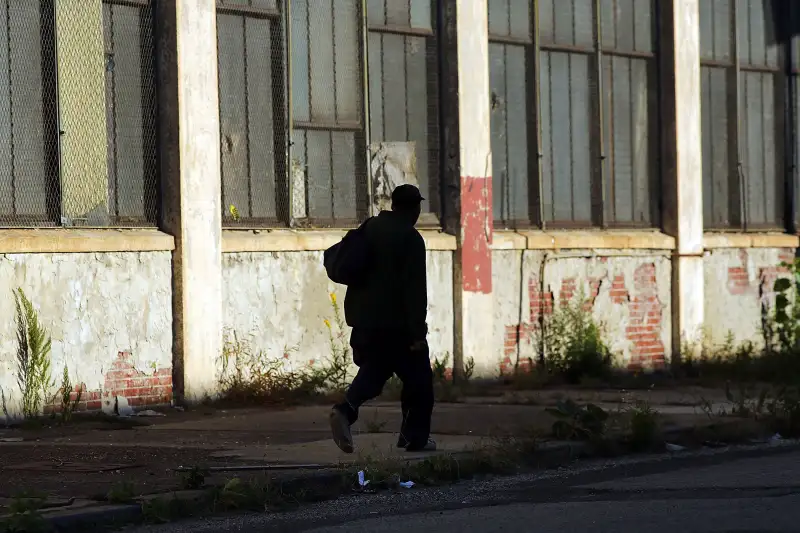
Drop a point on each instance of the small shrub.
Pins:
(122, 492)
(193, 479)
(68, 404)
(643, 426)
(578, 422)
(25, 515)
(574, 345)
(783, 412)
(375, 425)
(783, 326)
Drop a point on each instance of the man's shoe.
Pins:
(340, 428)
(429, 446)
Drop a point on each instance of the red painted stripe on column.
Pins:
(476, 231)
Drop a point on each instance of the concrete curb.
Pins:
(549, 455)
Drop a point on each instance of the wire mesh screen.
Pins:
(403, 100)
(77, 113)
(29, 188)
(130, 112)
(328, 141)
(253, 111)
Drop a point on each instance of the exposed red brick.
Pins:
(619, 294)
(538, 301)
(568, 287)
(645, 323)
(594, 290)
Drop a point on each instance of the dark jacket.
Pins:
(393, 297)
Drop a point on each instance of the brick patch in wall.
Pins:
(644, 328)
(645, 322)
(738, 281)
(140, 389)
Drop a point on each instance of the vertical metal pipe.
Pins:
(537, 76)
(737, 91)
(287, 22)
(598, 29)
(365, 90)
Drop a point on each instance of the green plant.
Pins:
(251, 376)
(643, 425)
(122, 492)
(783, 412)
(784, 328)
(33, 357)
(69, 404)
(238, 495)
(193, 479)
(582, 422)
(745, 403)
(25, 515)
(337, 370)
(573, 343)
(375, 425)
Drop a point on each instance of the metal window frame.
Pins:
(739, 220)
(535, 47)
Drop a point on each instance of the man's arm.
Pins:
(415, 287)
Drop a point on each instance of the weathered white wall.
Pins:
(280, 300)
(95, 306)
(630, 296)
(738, 281)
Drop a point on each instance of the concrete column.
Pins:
(683, 169)
(191, 187)
(82, 112)
(468, 213)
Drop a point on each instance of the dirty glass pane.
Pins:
(509, 134)
(566, 163)
(717, 168)
(761, 150)
(301, 102)
(499, 17)
(321, 54)
(520, 19)
(27, 136)
(421, 14)
(403, 111)
(376, 12)
(546, 19)
(347, 76)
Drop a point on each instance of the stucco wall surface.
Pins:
(279, 302)
(629, 295)
(738, 286)
(110, 318)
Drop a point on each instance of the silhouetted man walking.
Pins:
(387, 310)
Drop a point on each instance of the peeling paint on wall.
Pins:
(281, 301)
(95, 305)
(392, 164)
(476, 234)
(738, 288)
(630, 296)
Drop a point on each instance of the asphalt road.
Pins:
(751, 490)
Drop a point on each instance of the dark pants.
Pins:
(380, 354)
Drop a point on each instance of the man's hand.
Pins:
(419, 346)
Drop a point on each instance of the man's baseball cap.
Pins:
(406, 194)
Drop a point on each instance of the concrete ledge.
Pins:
(508, 240)
(598, 239)
(750, 240)
(234, 241)
(42, 241)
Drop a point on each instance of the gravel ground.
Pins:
(468, 495)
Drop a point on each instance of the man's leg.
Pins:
(414, 370)
(372, 375)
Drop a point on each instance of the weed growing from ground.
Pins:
(643, 426)
(33, 357)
